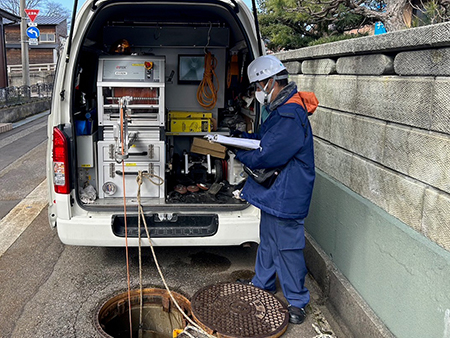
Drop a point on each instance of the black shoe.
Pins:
(296, 315)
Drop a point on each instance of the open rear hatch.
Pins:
(153, 78)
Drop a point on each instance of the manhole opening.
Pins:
(160, 315)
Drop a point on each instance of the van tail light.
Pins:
(60, 162)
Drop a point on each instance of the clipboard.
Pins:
(243, 143)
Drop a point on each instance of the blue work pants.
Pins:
(280, 252)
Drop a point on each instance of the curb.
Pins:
(4, 127)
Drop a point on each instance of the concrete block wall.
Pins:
(382, 131)
(16, 113)
(43, 76)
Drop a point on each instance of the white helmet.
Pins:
(264, 67)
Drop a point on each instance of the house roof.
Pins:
(49, 20)
(41, 20)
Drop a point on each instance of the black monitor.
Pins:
(190, 68)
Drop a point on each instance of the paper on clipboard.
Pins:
(244, 143)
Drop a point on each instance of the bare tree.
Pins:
(53, 8)
(13, 6)
(46, 7)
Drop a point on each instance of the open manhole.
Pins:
(233, 310)
(160, 314)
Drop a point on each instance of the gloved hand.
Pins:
(235, 133)
(233, 149)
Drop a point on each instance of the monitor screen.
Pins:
(190, 69)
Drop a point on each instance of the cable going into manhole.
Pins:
(125, 215)
(141, 215)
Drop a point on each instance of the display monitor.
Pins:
(190, 69)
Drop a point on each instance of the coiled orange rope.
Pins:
(207, 92)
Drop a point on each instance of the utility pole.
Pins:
(24, 45)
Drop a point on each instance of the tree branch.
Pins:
(331, 8)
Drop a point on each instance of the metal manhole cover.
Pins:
(239, 310)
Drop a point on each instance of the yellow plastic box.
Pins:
(189, 115)
(190, 125)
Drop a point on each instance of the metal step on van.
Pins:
(137, 88)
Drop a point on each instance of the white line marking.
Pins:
(23, 214)
(10, 139)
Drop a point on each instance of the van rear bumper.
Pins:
(232, 228)
(179, 225)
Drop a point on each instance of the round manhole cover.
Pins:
(239, 310)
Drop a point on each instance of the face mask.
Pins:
(262, 96)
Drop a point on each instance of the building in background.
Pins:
(43, 56)
(5, 18)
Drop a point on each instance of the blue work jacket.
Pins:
(286, 140)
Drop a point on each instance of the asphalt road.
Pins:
(22, 165)
(52, 290)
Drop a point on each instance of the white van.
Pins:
(139, 85)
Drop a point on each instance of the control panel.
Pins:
(132, 68)
(139, 79)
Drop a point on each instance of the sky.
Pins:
(69, 3)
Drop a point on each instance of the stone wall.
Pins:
(383, 126)
(383, 131)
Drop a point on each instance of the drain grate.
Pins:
(239, 310)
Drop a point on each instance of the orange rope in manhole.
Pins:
(122, 136)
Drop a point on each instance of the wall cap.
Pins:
(431, 36)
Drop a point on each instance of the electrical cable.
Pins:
(141, 300)
(125, 216)
(139, 180)
(207, 91)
